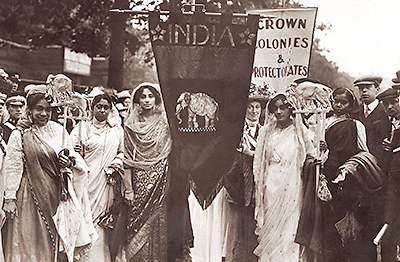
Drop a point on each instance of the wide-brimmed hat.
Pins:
(262, 93)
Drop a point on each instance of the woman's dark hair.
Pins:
(271, 104)
(33, 99)
(139, 93)
(349, 95)
(98, 98)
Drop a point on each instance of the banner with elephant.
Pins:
(283, 47)
(204, 65)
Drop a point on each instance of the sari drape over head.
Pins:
(147, 144)
(278, 162)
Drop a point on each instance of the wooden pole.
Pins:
(321, 122)
(117, 45)
(64, 127)
(319, 136)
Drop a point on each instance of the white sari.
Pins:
(102, 143)
(278, 163)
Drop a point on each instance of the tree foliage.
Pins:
(79, 24)
(84, 26)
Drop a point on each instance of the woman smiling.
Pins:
(37, 229)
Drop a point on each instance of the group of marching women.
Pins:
(312, 198)
(94, 194)
(98, 193)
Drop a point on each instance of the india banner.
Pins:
(283, 47)
(204, 65)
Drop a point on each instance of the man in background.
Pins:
(15, 106)
(374, 118)
(390, 244)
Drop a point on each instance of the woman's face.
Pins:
(41, 113)
(282, 111)
(340, 104)
(253, 111)
(147, 100)
(101, 110)
(127, 101)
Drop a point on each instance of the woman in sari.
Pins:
(350, 214)
(100, 142)
(46, 199)
(279, 157)
(147, 144)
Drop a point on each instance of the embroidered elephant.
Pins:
(198, 104)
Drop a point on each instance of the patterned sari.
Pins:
(147, 144)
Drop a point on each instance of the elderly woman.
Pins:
(147, 144)
(100, 142)
(279, 157)
(46, 198)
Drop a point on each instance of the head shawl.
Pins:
(148, 141)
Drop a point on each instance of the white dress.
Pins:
(102, 143)
(208, 228)
(278, 162)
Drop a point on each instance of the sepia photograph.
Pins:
(199, 131)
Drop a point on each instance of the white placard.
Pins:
(283, 47)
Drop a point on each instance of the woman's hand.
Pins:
(248, 151)
(245, 150)
(79, 149)
(387, 145)
(10, 208)
(129, 196)
(64, 158)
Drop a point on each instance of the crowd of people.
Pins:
(93, 186)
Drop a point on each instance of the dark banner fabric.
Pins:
(204, 66)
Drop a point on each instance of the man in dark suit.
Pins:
(375, 119)
(391, 240)
(378, 127)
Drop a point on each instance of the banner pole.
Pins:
(129, 11)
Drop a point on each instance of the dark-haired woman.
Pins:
(279, 157)
(42, 218)
(350, 219)
(100, 141)
(147, 144)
